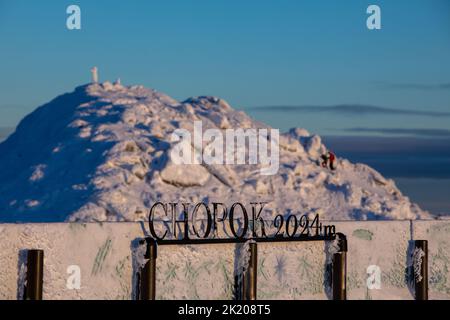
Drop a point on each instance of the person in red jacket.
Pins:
(332, 160)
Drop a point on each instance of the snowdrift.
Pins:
(101, 153)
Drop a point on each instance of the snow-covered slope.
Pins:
(101, 153)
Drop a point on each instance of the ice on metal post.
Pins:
(420, 266)
(148, 272)
(249, 281)
(339, 275)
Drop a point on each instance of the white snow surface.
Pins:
(102, 153)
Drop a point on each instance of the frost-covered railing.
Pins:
(101, 260)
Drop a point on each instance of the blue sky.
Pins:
(289, 63)
(251, 53)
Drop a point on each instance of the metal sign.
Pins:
(241, 222)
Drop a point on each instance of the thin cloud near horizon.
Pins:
(418, 132)
(349, 109)
(415, 86)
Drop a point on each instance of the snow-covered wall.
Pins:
(106, 254)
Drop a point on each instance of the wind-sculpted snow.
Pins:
(102, 153)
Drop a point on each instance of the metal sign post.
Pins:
(148, 272)
(420, 261)
(248, 290)
(339, 275)
(249, 282)
(35, 275)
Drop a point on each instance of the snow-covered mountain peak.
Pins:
(102, 153)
